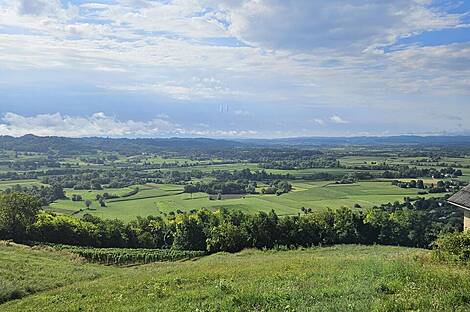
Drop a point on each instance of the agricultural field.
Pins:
(11, 183)
(339, 278)
(162, 176)
(155, 199)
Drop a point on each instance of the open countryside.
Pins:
(234, 156)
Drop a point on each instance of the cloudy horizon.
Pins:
(244, 68)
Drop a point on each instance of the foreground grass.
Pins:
(24, 271)
(342, 278)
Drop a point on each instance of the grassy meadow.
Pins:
(154, 199)
(339, 278)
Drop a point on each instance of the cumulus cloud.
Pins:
(306, 24)
(294, 53)
(100, 124)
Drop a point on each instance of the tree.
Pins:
(190, 188)
(189, 234)
(18, 212)
(88, 203)
(227, 237)
(420, 184)
(76, 197)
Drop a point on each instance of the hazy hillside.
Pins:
(32, 143)
(365, 140)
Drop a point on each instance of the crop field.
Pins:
(339, 278)
(11, 183)
(164, 198)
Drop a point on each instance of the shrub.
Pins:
(453, 247)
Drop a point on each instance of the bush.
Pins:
(453, 247)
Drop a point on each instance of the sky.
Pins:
(240, 68)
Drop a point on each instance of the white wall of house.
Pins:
(466, 220)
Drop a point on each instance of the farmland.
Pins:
(165, 198)
(135, 227)
(352, 278)
(153, 183)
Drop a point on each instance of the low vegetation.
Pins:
(340, 278)
(412, 223)
(453, 247)
(126, 256)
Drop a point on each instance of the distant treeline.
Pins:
(277, 187)
(84, 146)
(315, 162)
(44, 194)
(412, 223)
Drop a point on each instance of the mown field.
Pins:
(154, 199)
(339, 278)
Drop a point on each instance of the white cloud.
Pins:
(338, 120)
(345, 25)
(194, 88)
(100, 124)
(319, 121)
(298, 53)
(242, 112)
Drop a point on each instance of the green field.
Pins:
(154, 199)
(340, 278)
(11, 183)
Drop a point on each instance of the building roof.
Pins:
(461, 198)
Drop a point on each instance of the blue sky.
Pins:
(240, 68)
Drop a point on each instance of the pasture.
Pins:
(155, 199)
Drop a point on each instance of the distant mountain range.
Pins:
(364, 140)
(32, 143)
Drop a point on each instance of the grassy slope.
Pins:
(342, 278)
(25, 271)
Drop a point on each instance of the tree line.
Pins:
(415, 223)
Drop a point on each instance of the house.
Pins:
(461, 199)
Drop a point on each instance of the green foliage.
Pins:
(189, 233)
(17, 213)
(227, 237)
(46, 195)
(125, 256)
(406, 224)
(453, 247)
